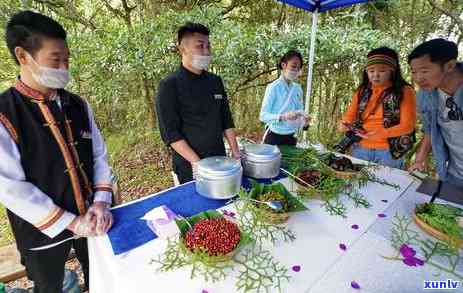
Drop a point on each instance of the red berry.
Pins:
(216, 236)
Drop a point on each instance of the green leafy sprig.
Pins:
(331, 188)
(257, 270)
(255, 221)
(430, 248)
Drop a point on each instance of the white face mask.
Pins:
(292, 74)
(50, 77)
(201, 62)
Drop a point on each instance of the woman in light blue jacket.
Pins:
(282, 108)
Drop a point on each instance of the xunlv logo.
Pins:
(449, 284)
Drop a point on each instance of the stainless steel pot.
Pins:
(219, 177)
(261, 161)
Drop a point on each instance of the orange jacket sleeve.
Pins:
(407, 115)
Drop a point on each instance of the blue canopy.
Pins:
(321, 5)
(316, 7)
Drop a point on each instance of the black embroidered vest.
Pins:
(64, 176)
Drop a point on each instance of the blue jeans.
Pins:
(382, 157)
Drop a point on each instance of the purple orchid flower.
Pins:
(407, 251)
(413, 262)
(354, 285)
(408, 254)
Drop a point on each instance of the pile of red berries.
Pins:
(215, 236)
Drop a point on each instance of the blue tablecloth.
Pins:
(129, 231)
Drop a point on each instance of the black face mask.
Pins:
(455, 112)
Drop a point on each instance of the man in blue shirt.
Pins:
(440, 104)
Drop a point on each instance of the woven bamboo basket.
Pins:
(296, 187)
(345, 174)
(434, 232)
(278, 218)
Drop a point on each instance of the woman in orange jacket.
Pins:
(382, 114)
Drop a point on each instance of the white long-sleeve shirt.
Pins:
(29, 202)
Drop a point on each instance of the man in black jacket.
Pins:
(192, 106)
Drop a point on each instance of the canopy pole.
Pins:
(311, 62)
(311, 59)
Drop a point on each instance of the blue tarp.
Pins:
(321, 5)
(130, 231)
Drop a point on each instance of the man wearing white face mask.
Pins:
(192, 106)
(282, 109)
(54, 177)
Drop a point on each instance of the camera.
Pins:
(350, 138)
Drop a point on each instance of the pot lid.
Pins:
(218, 166)
(262, 152)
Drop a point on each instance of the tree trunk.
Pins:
(149, 101)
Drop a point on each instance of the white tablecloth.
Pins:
(365, 263)
(324, 267)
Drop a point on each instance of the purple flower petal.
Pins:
(413, 261)
(354, 285)
(343, 247)
(407, 251)
(204, 291)
(384, 200)
(410, 261)
(419, 261)
(355, 226)
(382, 215)
(227, 213)
(296, 268)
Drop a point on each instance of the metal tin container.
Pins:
(261, 161)
(219, 177)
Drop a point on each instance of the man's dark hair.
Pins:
(288, 56)
(27, 29)
(440, 51)
(190, 28)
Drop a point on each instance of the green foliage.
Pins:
(260, 272)
(120, 50)
(259, 189)
(256, 267)
(432, 250)
(443, 217)
(177, 255)
(402, 233)
(6, 235)
(331, 188)
(257, 221)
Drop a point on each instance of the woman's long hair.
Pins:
(398, 82)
